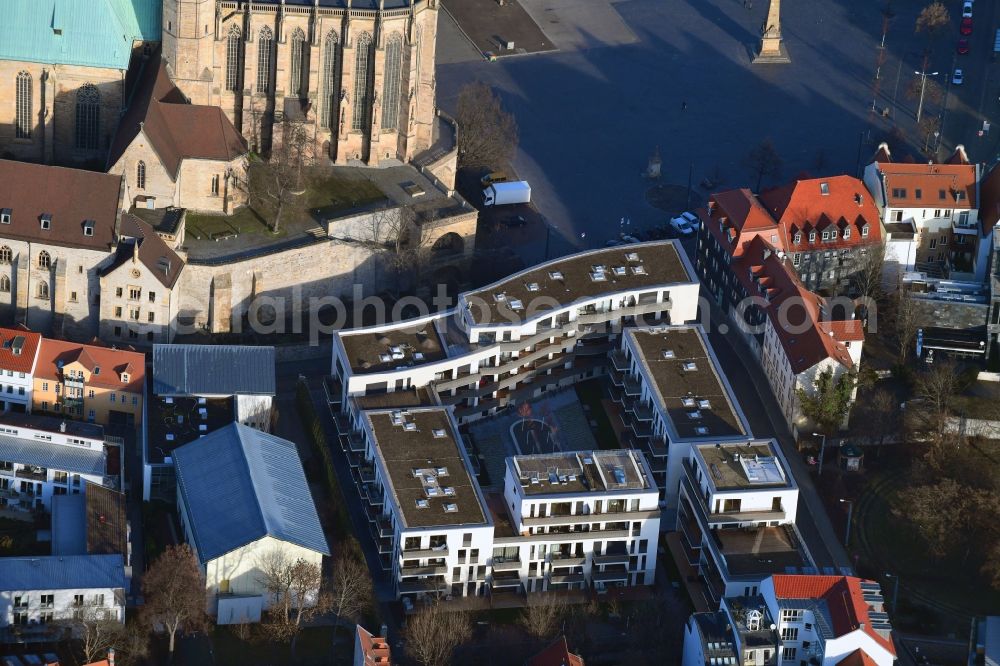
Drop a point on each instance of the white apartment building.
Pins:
(42, 456)
(829, 620)
(38, 591)
(18, 357)
(564, 520)
(545, 327)
(736, 516)
(673, 395)
(941, 202)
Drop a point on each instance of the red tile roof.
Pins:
(556, 654)
(374, 648)
(846, 330)
(795, 312)
(70, 196)
(857, 658)
(176, 129)
(111, 361)
(802, 206)
(844, 601)
(939, 185)
(24, 361)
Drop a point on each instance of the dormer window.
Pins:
(812, 236)
(826, 235)
(833, 234)
(46, 221)
(824, 188)
(97, 369)
(124, 378)
(847, 233)
(88, 227)
(5, 214)
(798, 238)
(864, 231)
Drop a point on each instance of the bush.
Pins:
(313, 426)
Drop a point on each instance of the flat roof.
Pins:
(580, 472)
(53, 424)
(763, 550)
(64, 457)
(688, 381)
(427, 472)
(399, 347)
(738, 466)
(577, 277)
(173, 422)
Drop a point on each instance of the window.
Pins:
(45, 386)
(790, 633)
(362, 76)
(798, 238)
(150, 317)
(899, 193)
(5, 284)
(215, 185)
(791, 615)
(152, 297)
(812, 236)
(300, 64)
(391, 81)
(118, 311)
(140, 175)
(330, 88)
(77, 600)
(796, 258)
(134, 293)
(788, 653)
(111, 397)
(90, 393)
(265, 48)
(72, 297)
(918, 193)
(933, 243)
(43, 290)
(847, 233)
(943, 242)
(826, 235)
(44, 260)
(133, 314)
(864, 231)
(6, 255)
(896, 216)
(233, 52)
(22, 119)
(48, 601)
(88, 114)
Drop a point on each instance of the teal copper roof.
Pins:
(89, 33)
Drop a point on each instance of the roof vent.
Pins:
(701, 430)
(619, 271)
(5, 214)
(668, 353)
(46, 220)
(410, 426)
(441, 471)
(695, 415)
(690, 366)
(555, 275)
(500, 297)
(688, 402)
(451, 508)
(532, 286)
(438, 433)
(597, 274)
(516, 304)
(88, 227)
(824, 188)
(631, 256)
(639, 270)
(422, 504)
(704, 404)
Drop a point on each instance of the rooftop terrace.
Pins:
(760, 551)
(688, 381)
(404, 346)
(428, 475)
(174, 422)
(754, 465)
(580, 472)
(577, 277)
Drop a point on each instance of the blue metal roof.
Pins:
(91, 33)
(239, 485)
(87, 572)
(75, 459)
(206, 370)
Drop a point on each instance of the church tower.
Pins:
(188, 40)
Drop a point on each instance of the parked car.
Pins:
(957, 77)
(514, 221)
(963, 47)
(967, 9)
(493, 177)
(966, 26)
(613, 243)
(682, 225)
(629, 239)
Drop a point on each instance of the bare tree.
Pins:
(433, 633)
(274, 573)
(294, 587)
(487, 134)
(541, 615)
(133, 644)
(96, 630)
(904, 320)
(397, 237)
(867, 276)
(936, 389)
(929, 126)
(763, 161)
(174, 589)
(933, 92)
(272, 184)
(351, 585)
(880, 416)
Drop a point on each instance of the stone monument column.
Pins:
(772, 49)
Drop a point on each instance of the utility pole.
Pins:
(822, 450)
(923, 73)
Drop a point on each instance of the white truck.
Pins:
(499, 194)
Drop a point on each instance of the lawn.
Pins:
(591, 394)
(326, 193)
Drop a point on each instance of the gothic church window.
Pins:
(233, 58)
(22, 120)
(300, 64)
(362, 82)
(88, 115)
(390, 88)
(265, 48)
(330, 92)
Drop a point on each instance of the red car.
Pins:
(963, 46)
(966, 27)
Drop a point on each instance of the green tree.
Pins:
(830, 400)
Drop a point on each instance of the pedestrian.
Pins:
(684, 106)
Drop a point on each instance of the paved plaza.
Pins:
(591, 114)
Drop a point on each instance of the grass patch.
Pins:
(326, 193)
(591, 394)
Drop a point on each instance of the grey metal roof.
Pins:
(69, 525)
(204, 370)
(87, 572)
(240, 485)
(64, 457)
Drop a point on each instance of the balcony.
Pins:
(967, 229)
(633, 387)
(417, 553)
(640, 410)
(563, 561)
(619, 361)
(418, 585)
(428, 570)
(613, 574)
(36, 474)
(566, 579)
(611, 558)
(506, 579)
(502, 564)
(587, 519)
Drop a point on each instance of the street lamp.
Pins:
(850, 513)
(895, 591)
(923, 84)
(822, 450)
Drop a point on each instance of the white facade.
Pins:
(484, 365)
(43, 606)
(15, 390)
(48, 463)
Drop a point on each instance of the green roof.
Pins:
(89, 33)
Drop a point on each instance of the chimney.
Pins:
(111, 657)
(135, 250)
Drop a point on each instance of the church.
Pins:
(358, 75)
